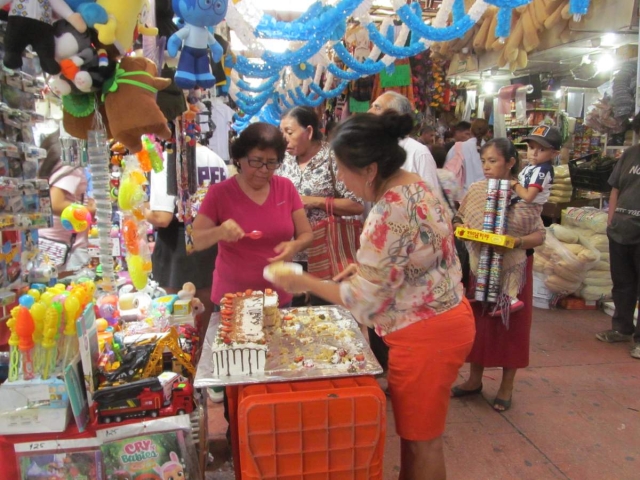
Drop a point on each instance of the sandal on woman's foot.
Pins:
(505, 404)
(457, 392)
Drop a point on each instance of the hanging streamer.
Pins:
(326, 94)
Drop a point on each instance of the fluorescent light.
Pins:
(609, 40)
(606, 62)
(559, 94)
(488, 87)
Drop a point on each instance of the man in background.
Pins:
(419, 159)
(461, 133)
(427, 136)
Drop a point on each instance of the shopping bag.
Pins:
(335, 243)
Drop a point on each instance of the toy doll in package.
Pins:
(62, 460)
(157, 456)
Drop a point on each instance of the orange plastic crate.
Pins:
(322, 429)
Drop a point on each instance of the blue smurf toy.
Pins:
(194, 38)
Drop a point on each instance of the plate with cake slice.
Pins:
(281, 268)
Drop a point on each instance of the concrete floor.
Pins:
(575, 413)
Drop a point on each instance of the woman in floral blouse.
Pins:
(309, 163)
(405, 284)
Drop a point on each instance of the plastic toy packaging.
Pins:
(130, 199)
(161, 449)
(60, 459)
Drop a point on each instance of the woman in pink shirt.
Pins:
(254, 199)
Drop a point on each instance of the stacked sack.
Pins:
(565, 259)
(592, 223)
(561, 188)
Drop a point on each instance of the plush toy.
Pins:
(131, 105)
(83, 68)
(90, 11)
(194, 38)
(123, 20)
(143, 18)
(188, 292)
(78, 125)
(30, 23)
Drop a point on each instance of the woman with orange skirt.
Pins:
(405, 284)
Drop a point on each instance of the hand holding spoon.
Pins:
(255, 235)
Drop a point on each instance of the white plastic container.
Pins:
(541, 294)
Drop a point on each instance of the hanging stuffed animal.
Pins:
(131, 105)
(194, 38)
(83, 68)
(123, 20)
(30, 23)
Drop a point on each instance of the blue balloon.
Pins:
(27, 301)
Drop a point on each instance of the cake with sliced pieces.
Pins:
(240, 346)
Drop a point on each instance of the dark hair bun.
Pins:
(396, 125)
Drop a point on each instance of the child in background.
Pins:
(534, 181)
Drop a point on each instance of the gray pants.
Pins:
(625, 273)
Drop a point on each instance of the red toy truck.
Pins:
(165, 395)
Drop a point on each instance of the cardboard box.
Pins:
(484, 237)
(575, 303)
(34, 406)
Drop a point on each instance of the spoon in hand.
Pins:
(255, 235)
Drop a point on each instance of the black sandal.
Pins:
(457, 392)
(505, 404)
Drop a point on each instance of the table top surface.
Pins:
(314, 342)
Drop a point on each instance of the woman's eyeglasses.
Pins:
(255, 163)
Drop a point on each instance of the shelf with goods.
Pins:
(541, 111)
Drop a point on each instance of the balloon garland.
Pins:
(293, 77)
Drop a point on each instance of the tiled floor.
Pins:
(575, 414)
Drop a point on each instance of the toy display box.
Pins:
(33, 406)
(484, 237)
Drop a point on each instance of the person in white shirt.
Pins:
(419, 159)
(172, 267)
(469, 169)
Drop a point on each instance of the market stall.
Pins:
(318, 374)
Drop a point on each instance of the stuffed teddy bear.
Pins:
(131, 105)
(30, 23)
(188, 292)
(194, 38)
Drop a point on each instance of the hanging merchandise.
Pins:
(193, 39)
(623, 102)
(30, 23)
(130, 200)
(99, 164)
(131, 105)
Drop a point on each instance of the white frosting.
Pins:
(251, 318)
(247, 359)
(271, 301)
(247, 354)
